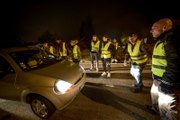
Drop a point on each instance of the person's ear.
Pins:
(165, 27)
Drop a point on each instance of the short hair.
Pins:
(135, 34)
(106, 36)
(94, 35)
(166, 21)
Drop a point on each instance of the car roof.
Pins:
(16, 49)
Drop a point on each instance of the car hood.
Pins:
(64, 70)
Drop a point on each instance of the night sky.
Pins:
(27, 20)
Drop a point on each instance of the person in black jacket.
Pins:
(165, 69)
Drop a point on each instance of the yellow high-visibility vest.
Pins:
(137, 56)
(76, 52)
(51, 49)
(159, 61)
(64, 52)
(104, 50)
(95, 46)
(116, 45)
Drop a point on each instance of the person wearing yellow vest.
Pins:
(61, 49)
(116, 45)
(137, 53)
(75, 51)
(107, 49)
(94, 53)
(47, 48)
(165, 70)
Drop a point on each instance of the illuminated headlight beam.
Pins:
(62, 86)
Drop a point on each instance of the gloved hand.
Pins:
(166, 88)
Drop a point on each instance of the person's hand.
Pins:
(150, 61)
(166, 88)
(125, 63)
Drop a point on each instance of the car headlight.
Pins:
(62, 86)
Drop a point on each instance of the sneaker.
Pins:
(109, 75)
(91, 69)
(137, 90)
(103, 74)
(151, 110)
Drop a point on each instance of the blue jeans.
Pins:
(94, 57)
(106, 64)
(165, 103)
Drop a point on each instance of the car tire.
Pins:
(42, 107)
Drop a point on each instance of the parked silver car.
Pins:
(47, 84)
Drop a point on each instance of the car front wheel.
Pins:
(42, 107)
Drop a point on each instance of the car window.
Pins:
(33, 59)
(5, 67)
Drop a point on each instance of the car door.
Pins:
(7, 80)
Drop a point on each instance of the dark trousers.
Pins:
(106, 64)
(94, 57)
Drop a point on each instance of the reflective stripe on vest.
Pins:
(64, 52)
(136, 55)
(105, 53)
(159, 61)
(95, 46)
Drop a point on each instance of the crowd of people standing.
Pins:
(165, 65)
(165, 59)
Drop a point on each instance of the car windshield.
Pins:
(33, 59)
